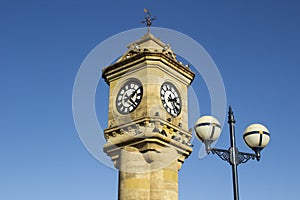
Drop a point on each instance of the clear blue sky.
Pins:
(255, 45)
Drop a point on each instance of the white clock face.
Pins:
(129, 96)
(170, 99)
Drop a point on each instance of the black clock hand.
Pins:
(133, 94)
(130, 98)
(170, 97)
(173, 100)
(135, 91)
(132, 102)
(175, 104)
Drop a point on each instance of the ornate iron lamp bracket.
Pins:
(227, 155)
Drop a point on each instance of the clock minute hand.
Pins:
(170, 97)
(132, 102)
(174, 104)
(172, 100)
(132, 95)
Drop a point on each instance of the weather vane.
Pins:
(148, 19)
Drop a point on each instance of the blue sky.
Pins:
(42, 45)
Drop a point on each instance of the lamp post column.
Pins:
(256, 136)
(233, 154)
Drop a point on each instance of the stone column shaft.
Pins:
(140, 179)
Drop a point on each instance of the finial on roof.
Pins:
(148, 19)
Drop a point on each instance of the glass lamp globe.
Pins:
(207, 129)
(256, 136)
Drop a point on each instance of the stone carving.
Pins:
(165, 128)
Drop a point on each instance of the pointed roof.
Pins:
(148, 43)
(144, 49)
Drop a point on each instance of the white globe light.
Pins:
(207, 128)
(256, 136)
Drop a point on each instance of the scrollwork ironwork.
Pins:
(244, 157)
(225, 155)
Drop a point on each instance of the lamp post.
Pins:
(256, 136)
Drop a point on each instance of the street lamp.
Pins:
(256, 136)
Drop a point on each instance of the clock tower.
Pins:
(147, 135)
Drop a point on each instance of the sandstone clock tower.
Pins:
(147, 135)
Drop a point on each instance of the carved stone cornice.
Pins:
(147, 135)
(132, 63)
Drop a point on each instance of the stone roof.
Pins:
(148, 43)
(147, 48)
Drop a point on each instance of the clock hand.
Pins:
(170, 97)
(172, 100)
(130, 99)
(132, 102)
(133, 94)
(127, 99)
(135, 91)
(175, 104)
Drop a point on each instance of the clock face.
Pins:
(170, 99)
(129, 96)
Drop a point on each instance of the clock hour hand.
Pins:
(132, 95)
(128, 99)
(172, 99)
(132, 102)
(174, 103)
